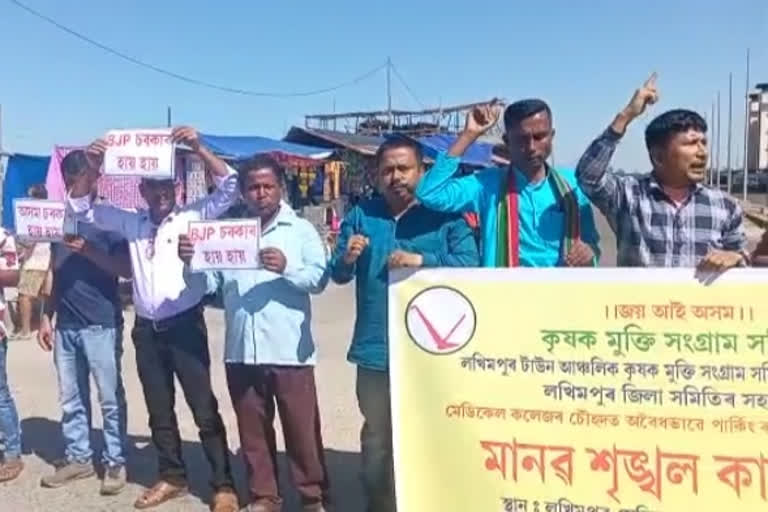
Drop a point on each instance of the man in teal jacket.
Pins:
(389, 231)
(531, 214)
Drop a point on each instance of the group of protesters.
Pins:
(530, 214)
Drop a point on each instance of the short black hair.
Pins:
(258, 162)
(670, 123)
(397, 142)
(523, 109)
(38, 191)
(74, 163)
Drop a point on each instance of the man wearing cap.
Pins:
(169, 334)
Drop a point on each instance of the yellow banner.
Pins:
(562, 390)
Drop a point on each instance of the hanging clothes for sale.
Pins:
(333, 180)
(303, 180)
(316, 177)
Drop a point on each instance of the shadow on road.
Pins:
(42, 438)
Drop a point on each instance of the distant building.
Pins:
(757, 149)
(413, 123)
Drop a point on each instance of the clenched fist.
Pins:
(482, 118)
(355, 247)
(405, 259)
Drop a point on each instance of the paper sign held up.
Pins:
(225, 244)
(147, 153)
(39, 220)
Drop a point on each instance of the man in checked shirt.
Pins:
(667, 218)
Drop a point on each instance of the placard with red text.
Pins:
(147, 153)
(40, 220)
(225, 244)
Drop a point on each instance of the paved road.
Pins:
(34, 384)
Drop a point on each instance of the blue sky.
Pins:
(584, 57)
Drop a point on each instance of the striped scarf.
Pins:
(508, 230)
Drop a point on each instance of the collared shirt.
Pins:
(541, 216)
(159, 288)
(443, 240)
(268, 315)
(651, 231)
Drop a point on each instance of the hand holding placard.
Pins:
(223, 244)
(149, 153)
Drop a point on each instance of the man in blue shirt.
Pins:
(270, 352)
(531, 214)
(88, 342)
(389, 231)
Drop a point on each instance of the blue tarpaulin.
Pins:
(478, 154)
(22, 172)
(240, 148)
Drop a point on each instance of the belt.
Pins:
(170, 322)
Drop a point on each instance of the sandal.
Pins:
(160, 493)
(11, 469)
(225, 500)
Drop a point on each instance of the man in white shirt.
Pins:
(169, 334)
(270, 352)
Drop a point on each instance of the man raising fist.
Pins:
(531, 214)
(402, 234)
(666, 218)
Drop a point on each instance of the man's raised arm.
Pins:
(440, 189)
(600, 186)
(80, 195)
(224, 176)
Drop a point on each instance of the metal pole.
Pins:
(389, 92)
(706, 122)
(712, 146)
(746, 132)
(717, 150)
(168, 117)
(730, 130)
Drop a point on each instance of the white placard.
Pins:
(41, 220)
(147, 153)
(225, 244)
